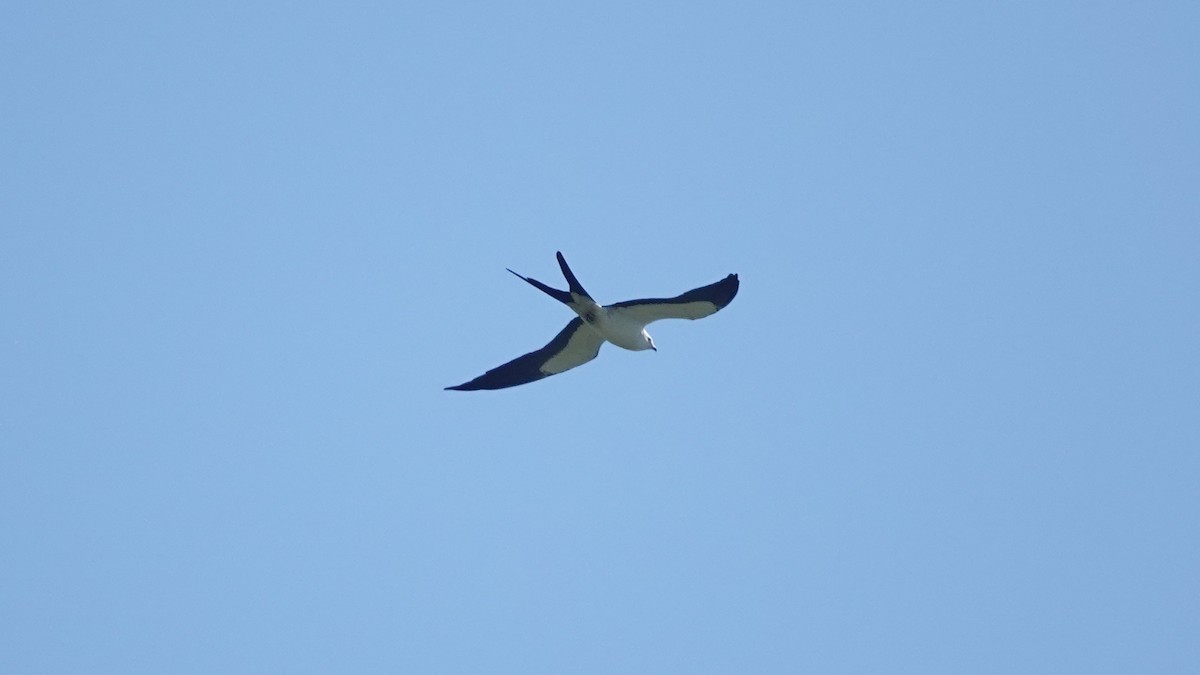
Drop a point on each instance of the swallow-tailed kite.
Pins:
(622, 323)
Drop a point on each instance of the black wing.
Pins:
(695, 304)
(574, 346)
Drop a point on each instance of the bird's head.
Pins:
(649, 341)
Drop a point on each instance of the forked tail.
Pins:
(562, 296)
(572, 282)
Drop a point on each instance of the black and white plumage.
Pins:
(621, 323)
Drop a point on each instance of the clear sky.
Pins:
(951, 424)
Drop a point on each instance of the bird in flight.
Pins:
(622, 323)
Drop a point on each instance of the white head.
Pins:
(649, 340)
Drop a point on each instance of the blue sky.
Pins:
(948, 425)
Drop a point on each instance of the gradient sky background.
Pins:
(951, 423)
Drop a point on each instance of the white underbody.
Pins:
(613, 326)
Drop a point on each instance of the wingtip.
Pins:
(726, 290)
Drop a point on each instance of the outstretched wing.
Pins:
(695, 304)
(574, 346)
